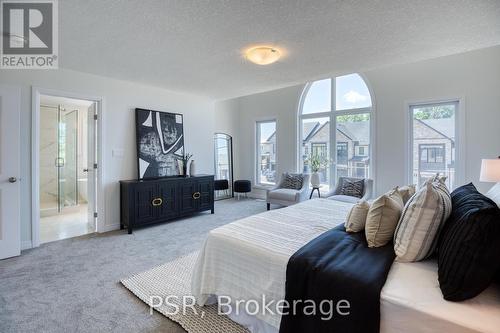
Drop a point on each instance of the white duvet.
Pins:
(247, 258)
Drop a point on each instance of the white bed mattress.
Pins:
(247, 259)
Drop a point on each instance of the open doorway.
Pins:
(67, 167)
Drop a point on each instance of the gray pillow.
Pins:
(352, 188)
(293, 181)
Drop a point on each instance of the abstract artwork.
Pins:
(160, 141)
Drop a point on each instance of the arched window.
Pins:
(335, 113)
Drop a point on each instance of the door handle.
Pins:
(85, 170)
(12, 179)
(196, 195)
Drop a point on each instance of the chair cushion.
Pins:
(469, 246)
(292, 181)
(383, 218)
(343, 198)
(421, 222)
(283, 194)
(353, 188)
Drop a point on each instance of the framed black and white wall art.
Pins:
(160, 141)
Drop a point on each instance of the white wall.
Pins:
(120, 100)
(472, 76)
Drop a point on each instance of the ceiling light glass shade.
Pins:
(263, 55)
(490, 170)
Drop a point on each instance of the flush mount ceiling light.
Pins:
(263, 55)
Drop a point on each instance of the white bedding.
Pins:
(247, 259)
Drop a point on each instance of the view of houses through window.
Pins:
(343, 104)
(266, 152)
(433, 141)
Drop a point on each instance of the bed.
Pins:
(248, 258)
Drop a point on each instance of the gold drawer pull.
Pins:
(196, 195)
(157, 202)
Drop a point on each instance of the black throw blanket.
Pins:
(336, 266)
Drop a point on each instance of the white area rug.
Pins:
(174, 279)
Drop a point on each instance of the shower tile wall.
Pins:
(48, 154)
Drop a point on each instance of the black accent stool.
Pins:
(144, 202)
(268, 206)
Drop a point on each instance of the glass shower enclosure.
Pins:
(58, 159)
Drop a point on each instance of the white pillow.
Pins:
(423, 216)
(356, 219)
(383, 218)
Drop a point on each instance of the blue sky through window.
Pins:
(351, 93)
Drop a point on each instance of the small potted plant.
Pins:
(184, 159)
(316, 163)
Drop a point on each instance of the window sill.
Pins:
(263, 187)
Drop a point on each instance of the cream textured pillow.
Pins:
(423, 216)
(383, 218)
(356, 219)
(407, 192)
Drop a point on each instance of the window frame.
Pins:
(257, 152)
(332, 115)
(460, 154)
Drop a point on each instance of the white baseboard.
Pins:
(25, 245)
(110, 227)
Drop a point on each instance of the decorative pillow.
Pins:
(407, 192)
(352, 188)
(356, 219)
(293, 181)
(418, 229)
(469, 246)
(383, 218)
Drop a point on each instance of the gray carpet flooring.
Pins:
(73, 285)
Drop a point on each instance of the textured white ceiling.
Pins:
(195, 46)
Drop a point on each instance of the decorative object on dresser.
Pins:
(192, 168)
(183, 161)
(144, 202)
(160, 142)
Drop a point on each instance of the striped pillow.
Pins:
(420, 224)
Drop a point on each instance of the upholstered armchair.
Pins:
(280, 195)
(337, 194)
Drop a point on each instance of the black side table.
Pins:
(312, 191)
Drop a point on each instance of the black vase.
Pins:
(184, 169)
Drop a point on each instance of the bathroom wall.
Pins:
(48, 153)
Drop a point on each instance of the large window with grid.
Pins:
(433, 141)
(336, 112)
(266, 152)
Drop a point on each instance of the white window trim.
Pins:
(460, 149)
(332, 114)
(258, 184)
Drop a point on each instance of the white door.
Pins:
(91, 160)
(10, 192)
